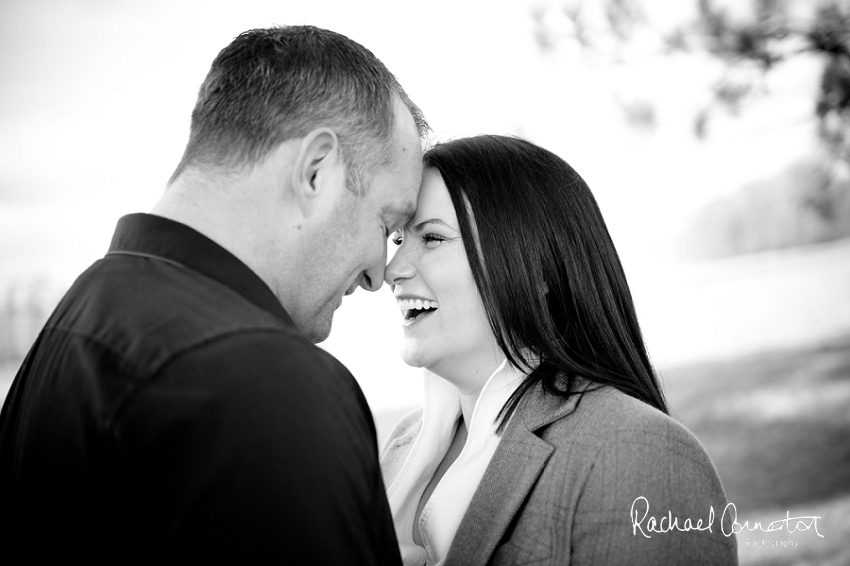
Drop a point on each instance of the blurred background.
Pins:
(714, 134)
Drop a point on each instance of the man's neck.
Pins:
(198, 202)
(232, 212)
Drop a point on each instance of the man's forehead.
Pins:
(406, 148)
(404, 169)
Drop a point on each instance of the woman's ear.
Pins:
(318, 170)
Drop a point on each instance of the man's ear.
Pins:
(318, 169)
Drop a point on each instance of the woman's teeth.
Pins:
(411, 308)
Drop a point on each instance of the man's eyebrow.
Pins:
(404, 211)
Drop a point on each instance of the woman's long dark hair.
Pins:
(546, 268)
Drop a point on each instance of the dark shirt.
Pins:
(170, 408)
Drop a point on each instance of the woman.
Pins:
(544, 436)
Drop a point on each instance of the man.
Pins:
(175, 405)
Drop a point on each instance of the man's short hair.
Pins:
(272, 85)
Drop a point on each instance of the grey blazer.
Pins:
(565, 486)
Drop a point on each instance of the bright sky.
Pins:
(95, 100)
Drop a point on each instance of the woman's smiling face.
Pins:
(446, 328)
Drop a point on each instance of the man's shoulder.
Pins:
(269, 352)
(149, 311)
(271, 374)
(167, 332)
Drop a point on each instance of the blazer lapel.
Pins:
(510, 476)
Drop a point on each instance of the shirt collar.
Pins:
(442, 399)
(150, 235)
(448, 503)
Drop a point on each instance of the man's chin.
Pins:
(316, 327)
(319, 332)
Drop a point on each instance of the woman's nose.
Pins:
(400, 267)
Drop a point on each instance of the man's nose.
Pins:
(372, 277)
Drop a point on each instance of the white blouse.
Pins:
(445, 508)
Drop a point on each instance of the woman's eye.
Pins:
(433, 240)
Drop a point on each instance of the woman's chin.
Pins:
(412, 362)
(414, 357)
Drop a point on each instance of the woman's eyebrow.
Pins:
(419, 226)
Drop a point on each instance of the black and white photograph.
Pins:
(456, 283)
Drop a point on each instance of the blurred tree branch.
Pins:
(769, 38)
(749, 47)
(748, 39)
